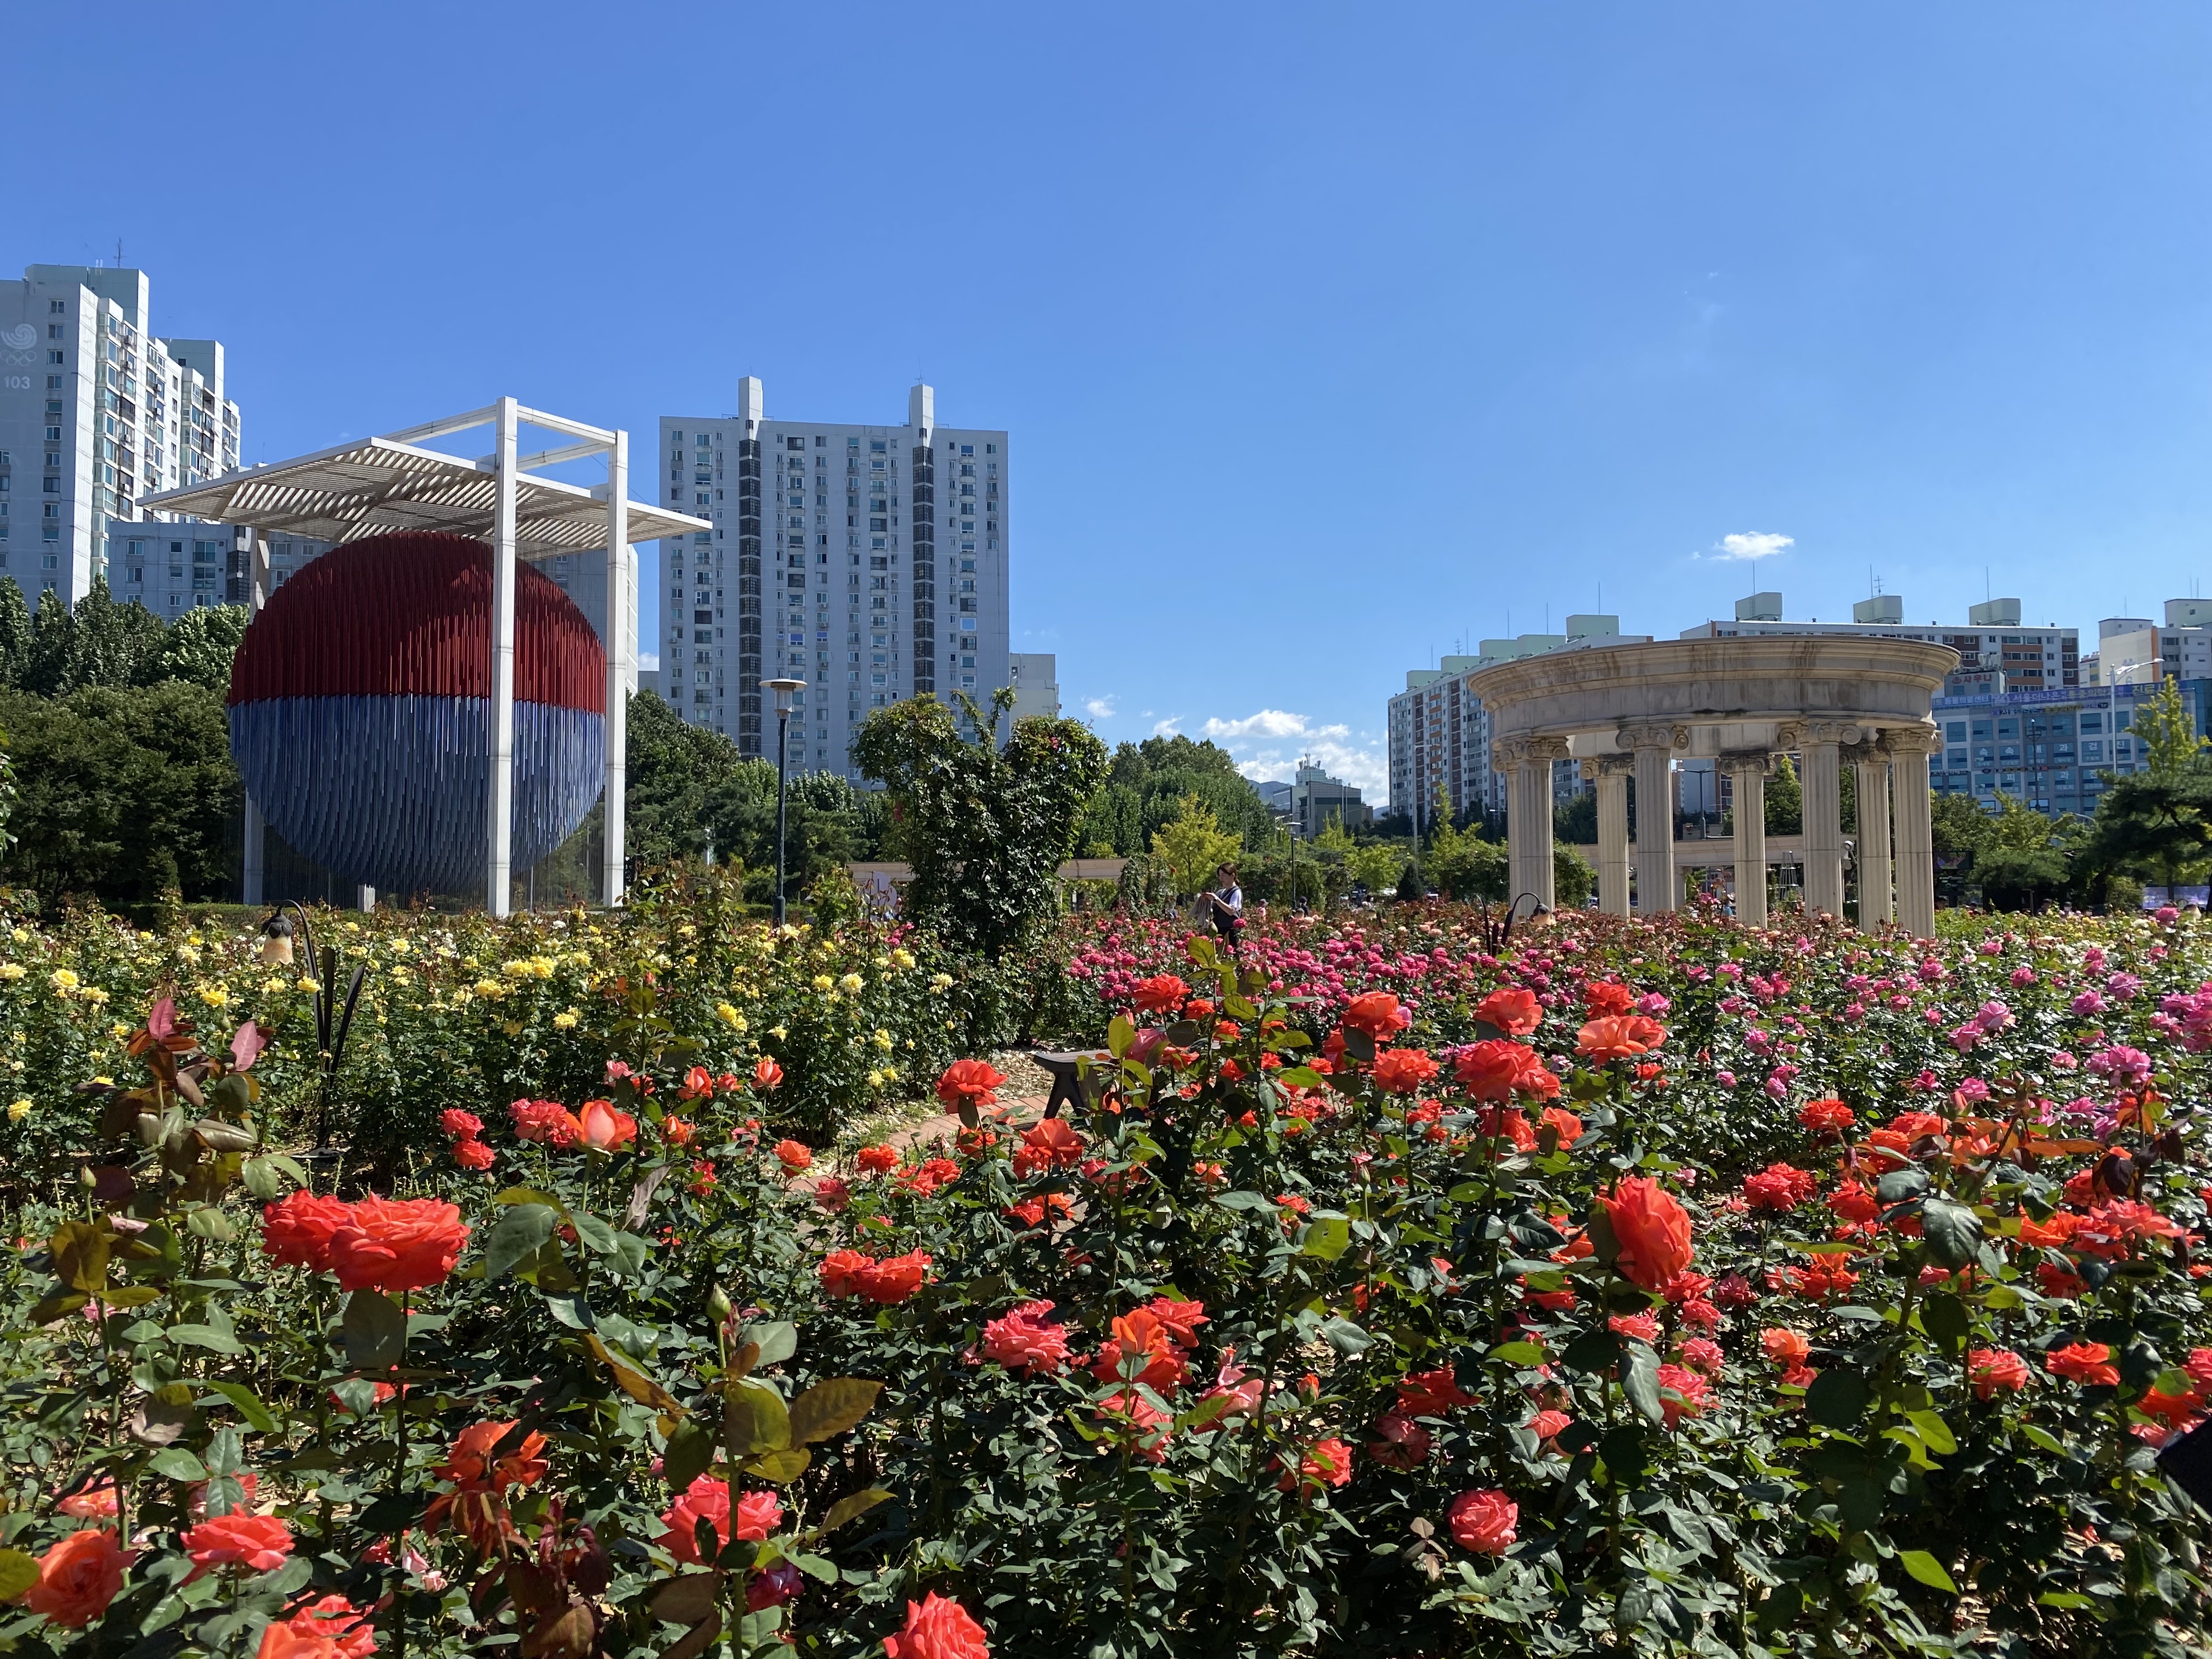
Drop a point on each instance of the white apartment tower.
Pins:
(868, 560)
(96, 411)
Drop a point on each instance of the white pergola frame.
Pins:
(374, 486)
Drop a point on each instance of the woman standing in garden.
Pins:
(1224, 905)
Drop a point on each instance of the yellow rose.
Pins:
(18, 1110)
(272, 985)
(11, 970)
(852, 984)
(875, 1079)
(940, 983)
(22, 936)
(487, 988)
(778, 1032)
(214, 995)
(824, 983)
(902, 958)
(882, 1040)
(303, 983)
(63, 980)
(565, 1020)
(95, 996)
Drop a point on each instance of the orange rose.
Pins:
(1619, 1036)
(403, 1245)
(1376, 1013)
(1652, 1230)
(938, 1629)
(78, 1577)
(1403, 1071)
(1513, 1009)
(794, 1157)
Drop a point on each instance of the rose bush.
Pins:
(1653, 1287)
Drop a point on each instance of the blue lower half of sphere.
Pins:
(393, 792)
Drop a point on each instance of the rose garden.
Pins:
(659, 1281)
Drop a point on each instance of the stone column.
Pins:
(1909, 747)
(1655, 747)
(1871, 767)
(1823, 815)
(1747, 771)
(1610, 774)
(1531, 805)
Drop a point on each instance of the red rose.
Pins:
(297, 1229)
(258, 1541)
(2084, 1362)
(1180, 1319)
(1493, 1070)
(390, 1245)
(972, 1081)
(459, 1125)
(544, 1120)
(1825, 1117)
(794, 1157)
(329, 1628)
(704, 1499)
(78, 1577)
(1652, 1228)
(1430, 1394)
(1025, 1341)
(938, 1629)
(1050, 1144)
(1606, 996)
(766, 1072)
(1993, 1369)
(475, 1463)
(1398, 1442)
(1513, 1009)
(1483, 1521)
(1780, 1188)
(840, 1271)
(1325, 1463)
(1403, 1071)
(1160, 994)
(1376, 1013)
(877, 1160)
(472, 1155)
(1785, 1347)
(1619, 1036)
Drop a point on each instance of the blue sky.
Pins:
(1329, 337)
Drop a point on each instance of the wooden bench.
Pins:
(1063, 1064)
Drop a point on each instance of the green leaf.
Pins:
(2065, 1599)
(250, 1404)
(1953, 1231)
(852, 1507)
(1928, 1570)
(19, 1571)
(1901, 1186)
(79, 1250)
(519, 1233)
(1934, 1432)
(1346, 1337)
(375, 1330)
(687, 1600)
(1639, 1381)
(209, 1337)
(1836, 1398)
(1946, 1318)
(778, 1339)
(1328, 1238)
(1518, 1353)
(1243, 1201)
(526, 1195)
(1120, 1035)
(690, 1453)
(831, 1407)
(815, 1566)
(755, 1418)
(593, 1233)
(2043, 1438)
(1300, 1077)
(262, 1179)
(781, 1467)
(175, 1463)
(210, 1223)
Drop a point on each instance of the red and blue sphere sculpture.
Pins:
(359, 713)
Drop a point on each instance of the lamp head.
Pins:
(783, 689)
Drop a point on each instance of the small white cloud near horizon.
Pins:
(1166, 728)
(1102, 709)
(1271, 723)
(648, 662)
(1748, 545)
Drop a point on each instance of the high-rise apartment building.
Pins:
(1034, 677)
(870, 562)
(1439, 731)
(96, 411)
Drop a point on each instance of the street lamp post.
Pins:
(784, 691)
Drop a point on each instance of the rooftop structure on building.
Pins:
(2139, 650)
(1034, 677)
(869, 561)
(1997, 651)
(96, 413)
(1439, 736)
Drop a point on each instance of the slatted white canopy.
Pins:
(378, 485)
(375, 486)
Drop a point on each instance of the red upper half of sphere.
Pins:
(410, 614)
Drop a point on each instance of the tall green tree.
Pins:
(200, 644)
(14, 633)
(1785, 800)
(51, 659)
(986, 826)
(119, 642)
(2167, 732)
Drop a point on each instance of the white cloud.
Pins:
(1166, 728)
(648, 662)
(1102, 709)
(1751, 544)
(1257, 742)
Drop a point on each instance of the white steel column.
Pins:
(1824, 816)
(622, 645)
(1609, 775)
(1909, 747)
(1747, 808)
(500, 796)
(1655, 747)
(251, 881)
(1871, 768)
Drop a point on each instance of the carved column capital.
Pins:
(1911, 740)
(1545, 749)
(1505, 754)
(1788, 734)
(1609, 766)
(1867, 752)
(1760, 760)
(1832, 731)
(1653, 737)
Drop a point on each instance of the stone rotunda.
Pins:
(1632, 710)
